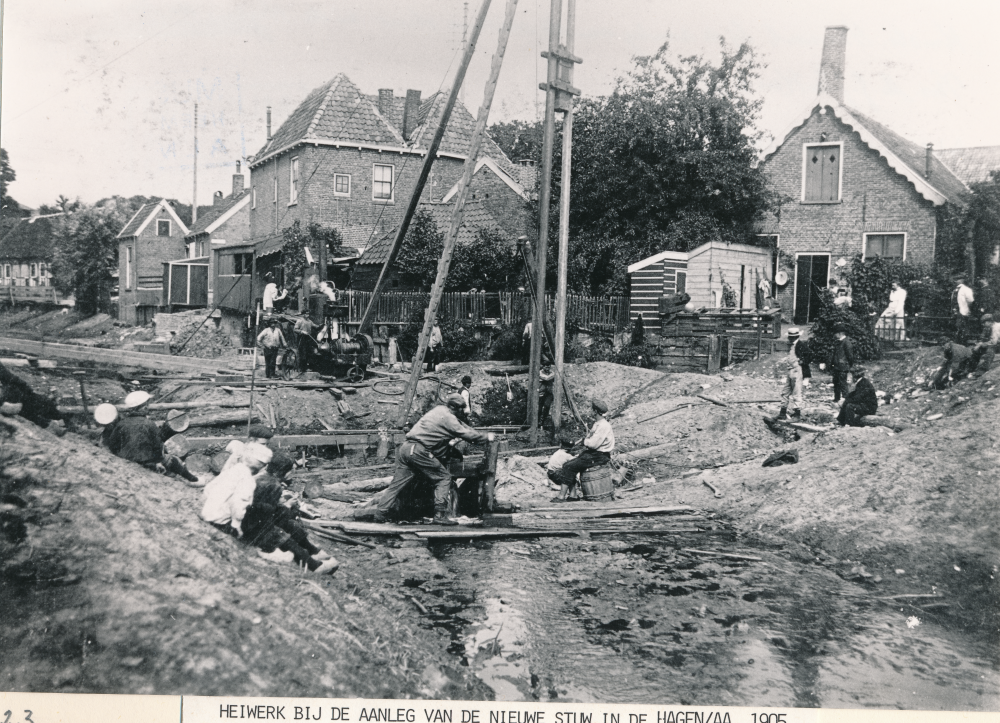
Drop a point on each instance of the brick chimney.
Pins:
(237, 181)
(928, 160)
(410, 112)
(385, 103)
(831, 67)
(218, 198)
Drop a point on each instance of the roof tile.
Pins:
(972, 165)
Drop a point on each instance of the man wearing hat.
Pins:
(428, 446)
(859, 403)
(962, 301)
(271, 340)
(597, 448)
(985, 350)
(791, 392)
(138, 439)
(957, 364)
(841, 363)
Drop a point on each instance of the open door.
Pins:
(812, 273)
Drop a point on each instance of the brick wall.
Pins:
(874, 199)
(149, 251)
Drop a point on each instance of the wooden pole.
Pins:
(545, 193)
(470, 49)
(487, 496)
(430, 315)
(564, 201)
(194, 194)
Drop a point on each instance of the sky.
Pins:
(98, 95)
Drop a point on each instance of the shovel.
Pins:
(510, 393)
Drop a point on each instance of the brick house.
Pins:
(227, 222)
(847, 185)
(350, 161)
(153, 235)
(26, 252)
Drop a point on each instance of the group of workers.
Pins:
(243, 500)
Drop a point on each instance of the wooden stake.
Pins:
(444, 263)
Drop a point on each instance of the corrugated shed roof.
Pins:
(30, 238)
(475, 218)
(209, 217)
(338, 111)
(941, 177)
(971, 165)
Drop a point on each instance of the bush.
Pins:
(507, 343)
(635, 355)
(928, 289)
(459, 342)
(859, 328)
(498, 410)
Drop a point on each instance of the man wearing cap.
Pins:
(426, 451)
(957, 364)
(304, 328)
(962, 302)
(271, 340)
(791, 392)
(985, 350)
(597, 448)
(138, 439)
(841, 363)
(546, 379)
(861, 402)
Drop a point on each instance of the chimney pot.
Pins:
(833, 62)
(928, 160)
(410, 112)
(217, 198)
(269, 123)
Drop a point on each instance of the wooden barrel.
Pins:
(596, 483)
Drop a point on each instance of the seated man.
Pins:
(559, 458)
(426, 452)
(598, 445)
(257, 433)
(957, 364)
(859, 403)
(138, 439)
(985, 350)
(269, 525)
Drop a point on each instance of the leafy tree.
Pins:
(7, 176)
(297, 240)
(970, 230)
(86, 253)
(520, 140)
(665, 162)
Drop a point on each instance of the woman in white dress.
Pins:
(892, 318)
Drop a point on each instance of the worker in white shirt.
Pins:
(526, 344)
(467, 396)
(963, 307)
(597, 448)
(271, 294)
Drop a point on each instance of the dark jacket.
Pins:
(863, 398)
(137, 439)
(843, 355)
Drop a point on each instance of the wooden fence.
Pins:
(33, 294)
(596, 313)
(917, 328)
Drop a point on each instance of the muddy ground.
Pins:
(111, 583)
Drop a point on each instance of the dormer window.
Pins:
(162, 227)
(821, 173)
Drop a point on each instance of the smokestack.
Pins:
(237, 181)
(217, 198)
(410, 112)
(831, 67)
(269, 123)
(928, 159)
(385, 102)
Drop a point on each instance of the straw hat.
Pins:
(105, 414)
(134, 400)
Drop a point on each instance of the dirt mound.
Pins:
(607, 381)
(521, 480)
(111, 583)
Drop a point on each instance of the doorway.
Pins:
(812, 274)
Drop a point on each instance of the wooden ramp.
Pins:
(109, 357)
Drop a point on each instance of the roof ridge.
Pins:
(378, 114)
(333, 85)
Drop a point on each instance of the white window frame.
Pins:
(169, 227)
(348, 177)
(392, 182)
(864, 241)
(840, 170)
(293, 181)
(128, 268)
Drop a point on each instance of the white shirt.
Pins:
(228, 496)
(526, 334)
(436, 338)
(601, 437)
(897, 302)
(964, 298)
(270, 293)
(468, 401)
(558, 459)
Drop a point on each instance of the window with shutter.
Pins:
(885, 245)
(821, 174)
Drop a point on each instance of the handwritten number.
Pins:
(6, 716)
(27, 718)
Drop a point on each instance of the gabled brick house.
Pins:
(153, 235)
(26, 251)
(350, 161)
(848, 185)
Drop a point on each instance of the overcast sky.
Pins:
(98, 95)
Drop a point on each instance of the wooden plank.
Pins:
(350, 440)
(112, 357)
(613, 511)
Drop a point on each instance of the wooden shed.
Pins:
(713, 265)
(653, 277)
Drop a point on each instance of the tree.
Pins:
(86, 253)
(7, 176)
(665, 162)
(297, 240)
(520, 140)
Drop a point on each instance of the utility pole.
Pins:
(425, 170)
(465, 34)
(564, 102)
(194, 195)
(553, 87)
(430, 315)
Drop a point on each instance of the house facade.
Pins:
(154, 235)
(848, 185)
(350, 161)
(26, 252)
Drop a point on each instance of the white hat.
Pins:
(794, 331)
(253, 452)
(105, 414)
(136, 399)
